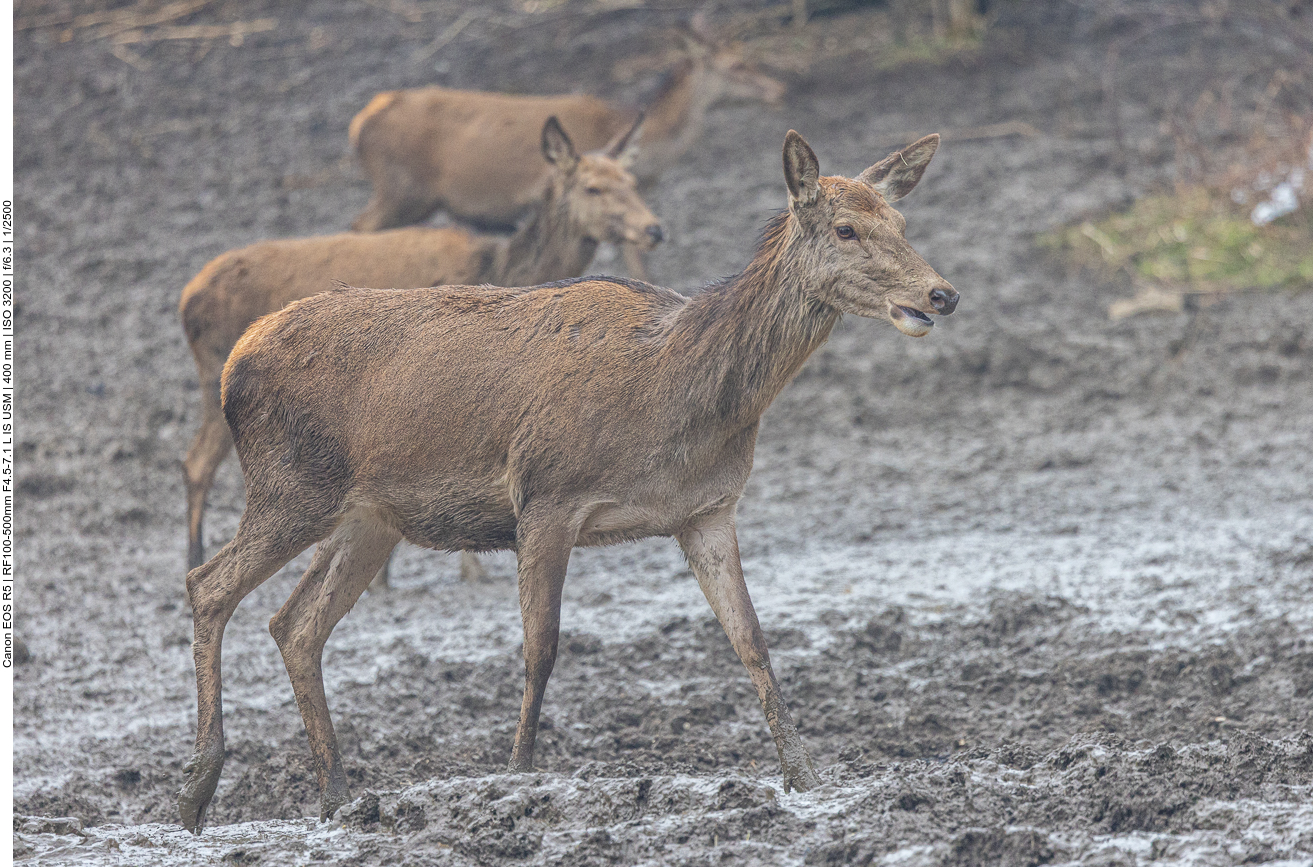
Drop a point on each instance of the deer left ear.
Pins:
(624, 147)
(557, 147)
(897, 174)
(802, 171)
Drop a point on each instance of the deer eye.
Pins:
(594, 191)
(845, 232)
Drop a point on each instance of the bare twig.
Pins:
(91, 19)
(130, 57)
(235, 32)
(1003, 129)
(131, 19)
(403, 9)
(453, 30)
(1109, 83)
(992, 130)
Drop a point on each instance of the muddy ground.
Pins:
(1036, 586)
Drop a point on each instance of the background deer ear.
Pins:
(557, 147)
(802, 171)
(624, 147)
(897, 174)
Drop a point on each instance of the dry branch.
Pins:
(130, 57)
(992, 130)
(234, 32)
(114, 20)
(452, 31)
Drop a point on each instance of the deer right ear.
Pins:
(897, 174)
(557, 147)
(802, 171)
(624, 147)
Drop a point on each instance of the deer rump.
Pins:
(449, 409)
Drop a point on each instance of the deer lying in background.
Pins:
(618, 410)
(473, 154)
(589, 199)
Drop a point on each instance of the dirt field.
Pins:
(1036, 586)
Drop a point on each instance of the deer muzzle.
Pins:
(944, 300)
(647, 236)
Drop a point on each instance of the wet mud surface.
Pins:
(1036, 586)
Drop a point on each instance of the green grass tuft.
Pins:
(1195, 240)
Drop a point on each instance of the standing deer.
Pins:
(583, 412)
(589, 199)
(473, 154)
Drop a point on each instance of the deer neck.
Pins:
(675, 117)
(740, 342)
(546, 248)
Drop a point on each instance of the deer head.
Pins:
(596, 189)
(853, 238)
(728, 72)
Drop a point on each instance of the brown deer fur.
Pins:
(589, 199)
(473, 154)
(578, 413)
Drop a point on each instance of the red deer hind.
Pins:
(474, 155)
(588, 199)
(620, 411)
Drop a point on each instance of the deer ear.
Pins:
(897, 174)
(624, 147)
(802, 171)
(557, 147)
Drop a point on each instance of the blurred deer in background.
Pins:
(473, 154)
(615, 410)
(588, 199)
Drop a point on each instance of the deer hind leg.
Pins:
(471, 572)
(343, 567)
(262, 546)
(209, 447)
(396, 201)
(712, 548)
(544, 553)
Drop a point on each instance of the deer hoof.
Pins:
(202, 777)
(331, 802)
(801, 776)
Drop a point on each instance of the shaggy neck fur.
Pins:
(547, 248)
(741, 341)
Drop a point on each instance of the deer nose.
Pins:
(944, 300)
(654, 232)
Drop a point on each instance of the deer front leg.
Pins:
(544, 552)
(208, 449)
(343, 566)
(712, 548)
(635, 262)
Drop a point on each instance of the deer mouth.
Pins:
(910, 321)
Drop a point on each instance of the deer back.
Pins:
(478, 153)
